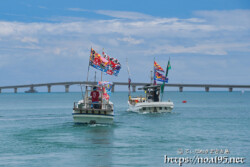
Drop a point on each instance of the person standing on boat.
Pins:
(95, 98)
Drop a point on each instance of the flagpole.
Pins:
(163, 85)
(86, 88)
(101, 80)
(88, 66)
(154, 72)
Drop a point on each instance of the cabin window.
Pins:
(166, 108)
(143, 108)
(160, 108)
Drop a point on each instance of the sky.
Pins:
(207, 41)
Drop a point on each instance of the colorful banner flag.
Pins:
(107, 85)
(157, 67)
(160, 77)
(114, 65)
(97, 61)
(105, 88)
(157, 75)
(106, 64)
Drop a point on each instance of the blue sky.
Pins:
(49, 41)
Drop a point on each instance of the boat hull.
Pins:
(152, 107)
(93, 118)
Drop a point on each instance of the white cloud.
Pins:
(202, 35)
(29, 40)
(131, 40)
(115, 14)
(233, 18)
(124, 14)
(204, 48)
(128, 34)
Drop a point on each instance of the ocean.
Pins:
(38, 130)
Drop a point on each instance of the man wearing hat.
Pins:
(95, 98)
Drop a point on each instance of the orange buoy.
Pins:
(184, 101)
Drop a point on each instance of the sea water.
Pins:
(38, 130)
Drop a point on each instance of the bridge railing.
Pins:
(133, 85)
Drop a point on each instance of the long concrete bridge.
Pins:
(133, 85)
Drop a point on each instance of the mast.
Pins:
(86, 88)
(101, 80)
(163, 85)
(151, 77)
(95, 77)
(81, 91)
(88, 66)
(129, 78)
(101, 89)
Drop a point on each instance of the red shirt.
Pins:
(95, 96)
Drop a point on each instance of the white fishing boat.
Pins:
(150, 103)
(95, 107)
(101, 112)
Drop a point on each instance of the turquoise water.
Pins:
(38, 130)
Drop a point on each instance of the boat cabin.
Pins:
(87, 102)
(152, 95)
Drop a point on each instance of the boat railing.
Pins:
(92, 105)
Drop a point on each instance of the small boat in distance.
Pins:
(30, 91)
(150, 103)
(85, 111)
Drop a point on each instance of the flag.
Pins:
(157, 67)
(113, 66)
(168, 68)
(160, 77)
(97, 61)
(106, 88)
(106, 64)
(157, 75)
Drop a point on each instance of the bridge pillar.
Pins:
(66, 88)
(180, 89)
(207, 89)
(49, 88)
(113, 88)
(230, 89)
(15, 90)
(134, 88)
